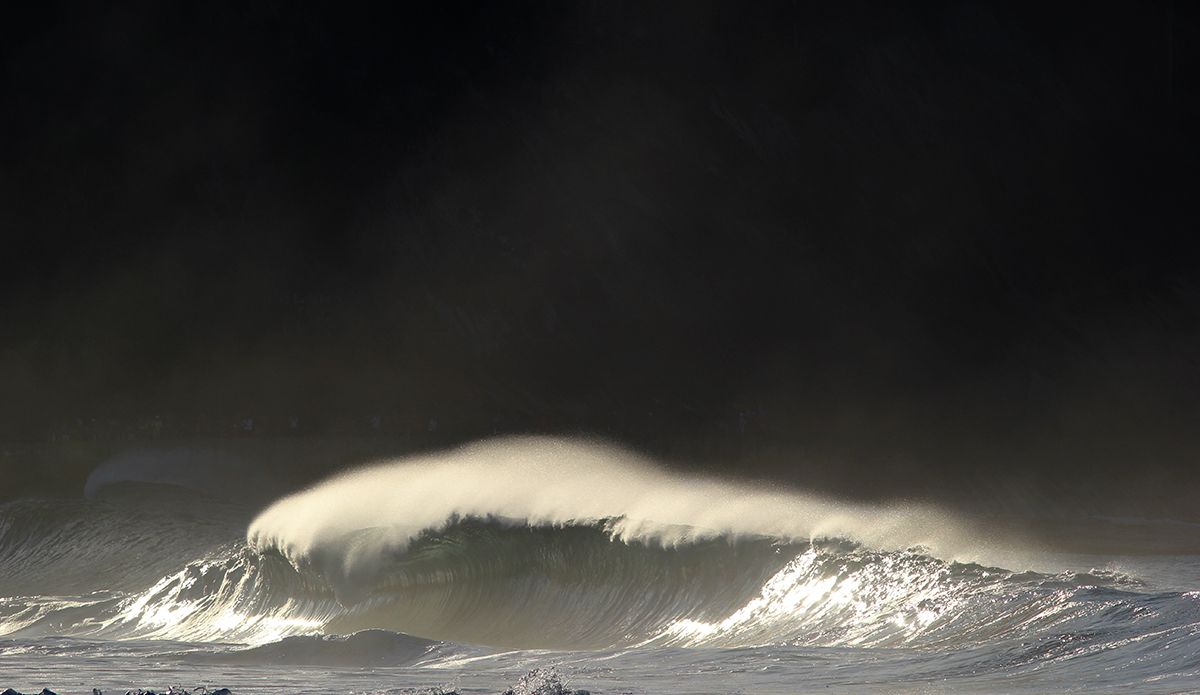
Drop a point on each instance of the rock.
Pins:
(542, 681)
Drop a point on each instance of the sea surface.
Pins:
(550, 566)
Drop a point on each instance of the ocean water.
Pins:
(550, 566)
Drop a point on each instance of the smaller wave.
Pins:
(125, 540)
(231, 595)
(215, 474)
(365, 649)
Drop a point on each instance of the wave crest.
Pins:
(351, 528)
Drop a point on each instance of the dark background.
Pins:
(874, 248)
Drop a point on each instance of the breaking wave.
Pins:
(536, 543)
(350, 528)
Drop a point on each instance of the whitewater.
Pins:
(549, 565)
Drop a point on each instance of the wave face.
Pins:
(536, 543)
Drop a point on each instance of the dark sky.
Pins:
(915, 237)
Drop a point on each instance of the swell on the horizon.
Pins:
(351, 527)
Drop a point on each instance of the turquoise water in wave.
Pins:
(547, 566)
